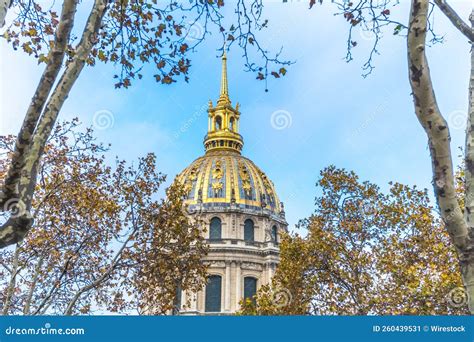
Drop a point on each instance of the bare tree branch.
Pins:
(31, 290)
(114, 263)
(4, 6)
(455, 19)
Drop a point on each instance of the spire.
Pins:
(224, 95)
(223, 120)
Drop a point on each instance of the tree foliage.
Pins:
(133, 33)
(101, 241)
(365, 252)
(171, 257)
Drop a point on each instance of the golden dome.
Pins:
(223, 178)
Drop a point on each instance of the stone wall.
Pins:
(233, 259)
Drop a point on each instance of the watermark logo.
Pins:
(16, 207)
(440, 183)
(457, 119)
(47, 329)
(367, 208)
(194, 32)
(281, 297)
(457, 297)
(190, 121)
(281, 119)
(103, 119)
(366, 33)
(187, 209)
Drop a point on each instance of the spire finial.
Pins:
(224, 83)
(223, 119)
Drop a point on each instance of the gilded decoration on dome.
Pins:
(217, 171)
(188, 186)
(245, 179)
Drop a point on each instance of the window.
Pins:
(213, 293)
(275, 234)
(215, 230)
(231, 124)
(250, 288)
(218, 123)
(177, 301)
(248, 230)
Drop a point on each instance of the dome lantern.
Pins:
(223, 125)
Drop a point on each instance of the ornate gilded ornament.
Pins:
(217, 171)
(188, 186)
(193, 174)
(245, 179)
(217, 187)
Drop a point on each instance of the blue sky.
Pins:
(337, 117)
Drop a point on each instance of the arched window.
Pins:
(218, 123)
(248, 230)
(213, 293)
(250, 288)
(231, 124)
(275, 234)
(215, 229)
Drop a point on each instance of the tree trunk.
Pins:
(437, 130)
(469, 175)
(4, 5)
(48, 78)
(17, 226)
(469, 147)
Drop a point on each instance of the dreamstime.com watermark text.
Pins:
(45, 330)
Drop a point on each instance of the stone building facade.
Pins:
(239, 204)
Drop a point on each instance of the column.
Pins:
(270, 271)
(201, 300)
(227, 287)
(225, 124)
(238, 281)
(184, 298)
